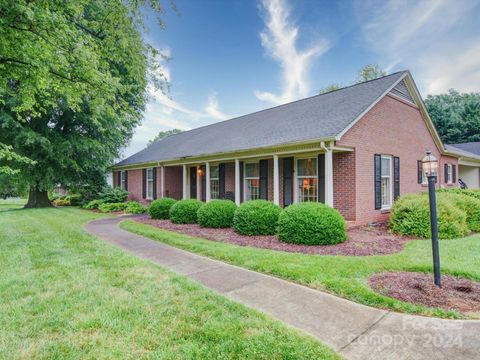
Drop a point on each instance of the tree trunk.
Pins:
(38, 199)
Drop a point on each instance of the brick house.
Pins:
(356, 149)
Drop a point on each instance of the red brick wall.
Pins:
(173, 181)
(344, 184)
(395, 128)
(135, 185)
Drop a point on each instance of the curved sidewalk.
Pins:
(356, 331)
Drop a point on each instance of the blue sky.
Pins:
(232, 57)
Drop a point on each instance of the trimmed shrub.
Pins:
(160, 209)
(134, 207)
(94, 204)
(111, 207)
(256, 217)
(311, 223)
(216, 214)
(185, 211)
(469, 204)
(411, 216)
(61, 202)
(110, 195)
(75, 199)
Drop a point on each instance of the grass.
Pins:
(66, 295)
(12, 203)
(345, 276)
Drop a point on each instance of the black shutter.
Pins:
(221, 181)
(445, 180)
(321, 177)
(241, 181)
(126, 180)
(287, 181)
(263, 165)
(193, 182)
(378, 180)
(419, 171)
(154, 183)
(454, 174)
(119, 178)
(396, 178)
(144, 180)
(204, 184)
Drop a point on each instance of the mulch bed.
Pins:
(361, 241)
(417, 288)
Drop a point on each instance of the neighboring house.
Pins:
(356, 149)
(468, 162)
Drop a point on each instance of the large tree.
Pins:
(163, 134)
(73, 78)
(456, 116)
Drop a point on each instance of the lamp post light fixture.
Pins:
(430, 169)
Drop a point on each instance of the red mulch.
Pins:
(362, 241)
(417, 288)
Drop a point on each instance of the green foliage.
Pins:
(369, 72)
(411, 217)
(94, 204)
(134, 207)
(185, 211)
(163, 134)
(113, 195)
(256, 217)
(456, 116)
(73, 82)
(160, 209)
(311, 224)
(329, 88)
(217, 214)
(111, 207)
(469, 204)
(75, 199)
(61, 202)
(9, 158)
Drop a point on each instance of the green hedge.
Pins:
(256, 217)
(311, 224)
(111, 207)
(469, 204)
(94, 204)
(160, 209)
(134, 207)
(217, 214)
(185, 211)
(411, 216)
(61, 202)
(111, 195)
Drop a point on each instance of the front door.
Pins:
(193, 182)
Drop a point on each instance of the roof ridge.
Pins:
(280, 105)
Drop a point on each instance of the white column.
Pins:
(207, 182)
(199, 183)
(184, 183)
(329, 177)
(276, 184)
(162, 182)
(237, 182)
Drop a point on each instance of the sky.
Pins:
(226, 58)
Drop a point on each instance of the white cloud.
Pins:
(279, 39)
(437, 39)
(213, 108)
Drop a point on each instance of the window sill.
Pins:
(385, 210)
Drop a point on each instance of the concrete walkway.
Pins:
(355, 331)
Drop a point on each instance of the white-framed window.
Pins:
(214, 182)
(149, 183)
(386, 188)
(307, 180)
(123, 180)
(449, 178)
(252, 181)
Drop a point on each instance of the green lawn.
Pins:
(345, 276)
(67, 295)
(11, 204)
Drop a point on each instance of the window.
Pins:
(449, 178)
(149, 183)
(123, 180)
(386, 187)
(214, 182)
(252, 181)
(307, 180)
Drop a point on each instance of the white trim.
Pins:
(162, 182)
(295, 175)
(390, 177)
(449, 174)
(328, 174)
(245, 178)
(207, 182)
(237, 182)
(147, 188)
(276, 181)
(184, 182)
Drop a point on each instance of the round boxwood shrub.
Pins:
(311, 224)
(411, 216)
(185, 211)
(216, 214)
(470, 205)
(134, 207)
(256, 217)
(160, 209)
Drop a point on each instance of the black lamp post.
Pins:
(430, 168)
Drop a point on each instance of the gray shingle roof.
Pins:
(317, 117)
(471, 147)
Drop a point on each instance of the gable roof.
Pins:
(470, 147)
(321, 117)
